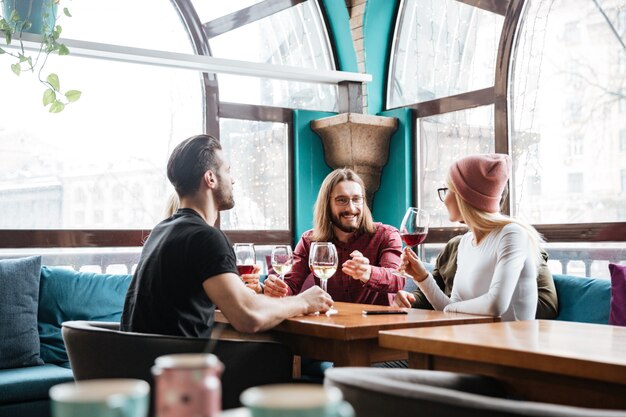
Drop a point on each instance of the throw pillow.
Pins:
(618, 295)
(69, 295)
(19, 296)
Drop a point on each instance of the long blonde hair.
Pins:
(172, 205)
(485, 222)
(322, 215)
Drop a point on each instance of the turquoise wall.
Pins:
(309, 168)
(339, 23)
(378, 27)
(396, 186)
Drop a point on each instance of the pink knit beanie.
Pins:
(480, 179)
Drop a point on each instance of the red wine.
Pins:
(245, 269)
(413, 239)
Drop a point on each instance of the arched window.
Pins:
(125, 124)
(131, 116)
(548, 90)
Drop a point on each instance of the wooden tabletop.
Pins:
(545, 360)
(351, 324)
(350, 338)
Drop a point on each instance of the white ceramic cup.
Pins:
(295, 400)
(101, 398)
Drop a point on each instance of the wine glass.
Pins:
(323, 261)
(413, 231)
(245, 256)
(282, 260)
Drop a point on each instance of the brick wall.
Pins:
(356, 9)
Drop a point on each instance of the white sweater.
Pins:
(498, 277)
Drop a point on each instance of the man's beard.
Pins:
(336, 221)
(224, 200)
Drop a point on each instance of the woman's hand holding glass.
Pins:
(413, 231)
(411, 265)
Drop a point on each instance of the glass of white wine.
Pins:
(323, 261)
(282, 260)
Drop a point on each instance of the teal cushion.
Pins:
(31, 383)
(19, 294)
(69, 295)
(583, 299)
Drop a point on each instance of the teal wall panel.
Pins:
(396, 189)
(339, 25)
(378, 27)
(309, 168)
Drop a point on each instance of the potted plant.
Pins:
(39, 17)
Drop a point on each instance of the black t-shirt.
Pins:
(166, 294)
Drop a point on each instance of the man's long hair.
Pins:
(190, 160)
(322, 215)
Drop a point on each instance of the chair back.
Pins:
(393, 392)
(101, 350)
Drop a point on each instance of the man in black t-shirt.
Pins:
(187, 266)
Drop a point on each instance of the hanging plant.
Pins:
(39, 17)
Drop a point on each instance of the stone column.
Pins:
(359, 142)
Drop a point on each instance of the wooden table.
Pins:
(543, 360)
(350, 338)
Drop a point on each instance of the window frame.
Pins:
(213, 110)
(497, 95)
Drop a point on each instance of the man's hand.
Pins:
(317, 300)
(404, 299)
(252, 280)
(275, 287)
(358, 267)
(411, 264)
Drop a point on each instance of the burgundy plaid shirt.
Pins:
(383, 249)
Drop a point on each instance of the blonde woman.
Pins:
(497, 258)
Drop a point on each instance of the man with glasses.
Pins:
(368, 252)
(445, 271)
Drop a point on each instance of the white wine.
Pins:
(281, 269)
(324, 271)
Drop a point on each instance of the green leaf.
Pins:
(49, 97)
(1, 51)
(16, 68)
(53, 80)
(15, 16)
(23, 58)
(7, 37)
(73, 95)
(63, 50)
(57, 107)
(66, 12)
(27, 25)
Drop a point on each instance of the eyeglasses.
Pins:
(442, 192)
(344, 201)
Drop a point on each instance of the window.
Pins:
(622, 140)
(257, 152)
(295, 37)
(575, 145)
(442, 48)
(571, 33)
(103, 142)
(540, 85)
(575, 182)
(444, 139)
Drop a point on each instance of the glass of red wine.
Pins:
(413, 231)
(245, 256)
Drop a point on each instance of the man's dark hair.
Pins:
(190, 160)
